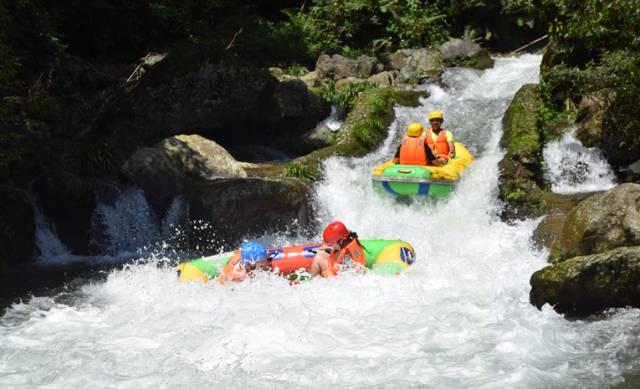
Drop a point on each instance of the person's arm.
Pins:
(452, 146)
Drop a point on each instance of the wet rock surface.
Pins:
(240, 207)
(601, 222)
(588, 284)
(520, 180)
(171, 167)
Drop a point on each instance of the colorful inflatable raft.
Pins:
(412, 180)
(382, 256)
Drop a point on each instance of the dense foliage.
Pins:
(595, 49)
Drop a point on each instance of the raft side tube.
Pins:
(381, 255)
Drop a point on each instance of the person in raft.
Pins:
(251, 256)
(414, 149)
(440, 139)
(341, 246)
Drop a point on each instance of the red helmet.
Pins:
(335, 232)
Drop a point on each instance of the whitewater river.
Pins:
(459, 318)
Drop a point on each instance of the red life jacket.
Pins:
(412, 151)
(441, 144)
(353, 250)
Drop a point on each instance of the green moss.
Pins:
(521, 137)
(364, 128)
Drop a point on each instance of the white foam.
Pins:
(574, 168)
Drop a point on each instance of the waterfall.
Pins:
(574, 168)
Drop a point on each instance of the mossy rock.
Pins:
(588, 284)
(364, 129)
(599, 223)
(521, 185)
(521, 138)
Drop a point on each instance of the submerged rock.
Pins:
(601, 222)
(588, 284)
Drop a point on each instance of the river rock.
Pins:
(311, 79)
(588, 284)
(386, 78)
(601, 222)
(520, 169)
(465, 53)
(589, 120)
(292, 102)
(416, 65)
(226, 99)
(337, 67)
(17, 226)
(238, 207)
(620, 136)
(174, 164)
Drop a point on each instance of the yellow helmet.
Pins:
(414, 129)
(436, 115)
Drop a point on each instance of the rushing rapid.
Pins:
(459, 317)
(574, 168)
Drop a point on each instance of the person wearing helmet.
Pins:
(440, 139)
(414, 150)
(341, 246)
(251, 255)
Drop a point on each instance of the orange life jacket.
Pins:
(233, 270)
(412, 151)
(441, 144)
(353, 249)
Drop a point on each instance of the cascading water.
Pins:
(128, 225)
(460, 317)
(48, 245)
(574, 168)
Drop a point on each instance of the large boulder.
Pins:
(337, 67)
(465, 53)
(588, 284)
(416, 65)
(175, 164)
(294, 107)
(601, 222)
(520, 169)
(589, 121)
(191, 92)
(17, 226)
(620, 136)
(240, 207)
